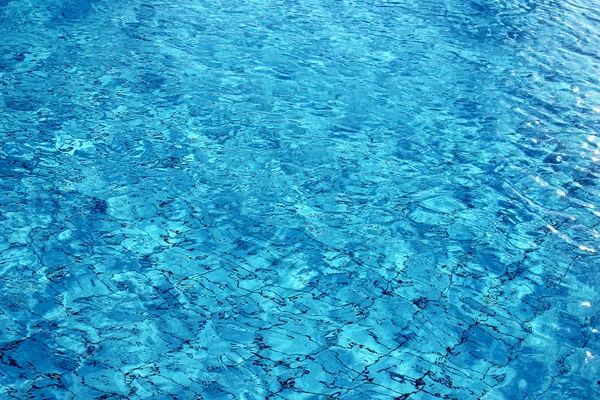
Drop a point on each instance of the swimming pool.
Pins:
(299, 199)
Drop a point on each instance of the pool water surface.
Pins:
(299, 199)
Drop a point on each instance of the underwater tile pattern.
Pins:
(299, 199)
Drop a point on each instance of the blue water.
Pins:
(299, 199)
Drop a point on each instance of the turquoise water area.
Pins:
(299, 199)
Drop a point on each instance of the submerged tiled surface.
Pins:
(299, 199)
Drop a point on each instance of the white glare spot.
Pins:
(576, 89)
(586, 304)
(560, 192)
(587, 249)
(588, 357)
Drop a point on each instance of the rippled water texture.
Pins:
(299, 199)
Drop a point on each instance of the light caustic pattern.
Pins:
(299, 199)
